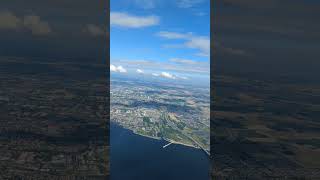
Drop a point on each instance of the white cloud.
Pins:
(183, 61)
(170, 76)
(174, 35)
(120, 69)
(202, 43)
(173, 64)
(188, 3)
(139, 71)
(32, 23)
(131, 21)
(113, 68)
(167, 75)
(94, 30)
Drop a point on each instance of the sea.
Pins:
(135, 157)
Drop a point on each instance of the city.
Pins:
(175, 113)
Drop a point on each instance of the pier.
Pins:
(166, 145)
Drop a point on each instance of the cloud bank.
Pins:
(172, 64)
(121, 19)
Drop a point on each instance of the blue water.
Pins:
(134, 157)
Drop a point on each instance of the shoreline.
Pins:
(152, 137)
(158, 138)
(168, 140)
(180, 143)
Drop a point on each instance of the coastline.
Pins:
(176, 142)
(158, 138)
(168, 140)
(152, 137)
(178, 162)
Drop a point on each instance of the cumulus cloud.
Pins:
(121, 19)
(160, 73)
(94, 30)
(139, 71)
(32, 23)
(202, 43)
(167, 75)
(113, 68)
(120, 69)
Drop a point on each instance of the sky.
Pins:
(275, 40)
(167, 39)
(54, 29)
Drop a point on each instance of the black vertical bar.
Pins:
(107, 14)
(212, 86)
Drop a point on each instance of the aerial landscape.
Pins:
(175, 113)
(159, 89)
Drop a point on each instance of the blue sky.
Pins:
(160, 38)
